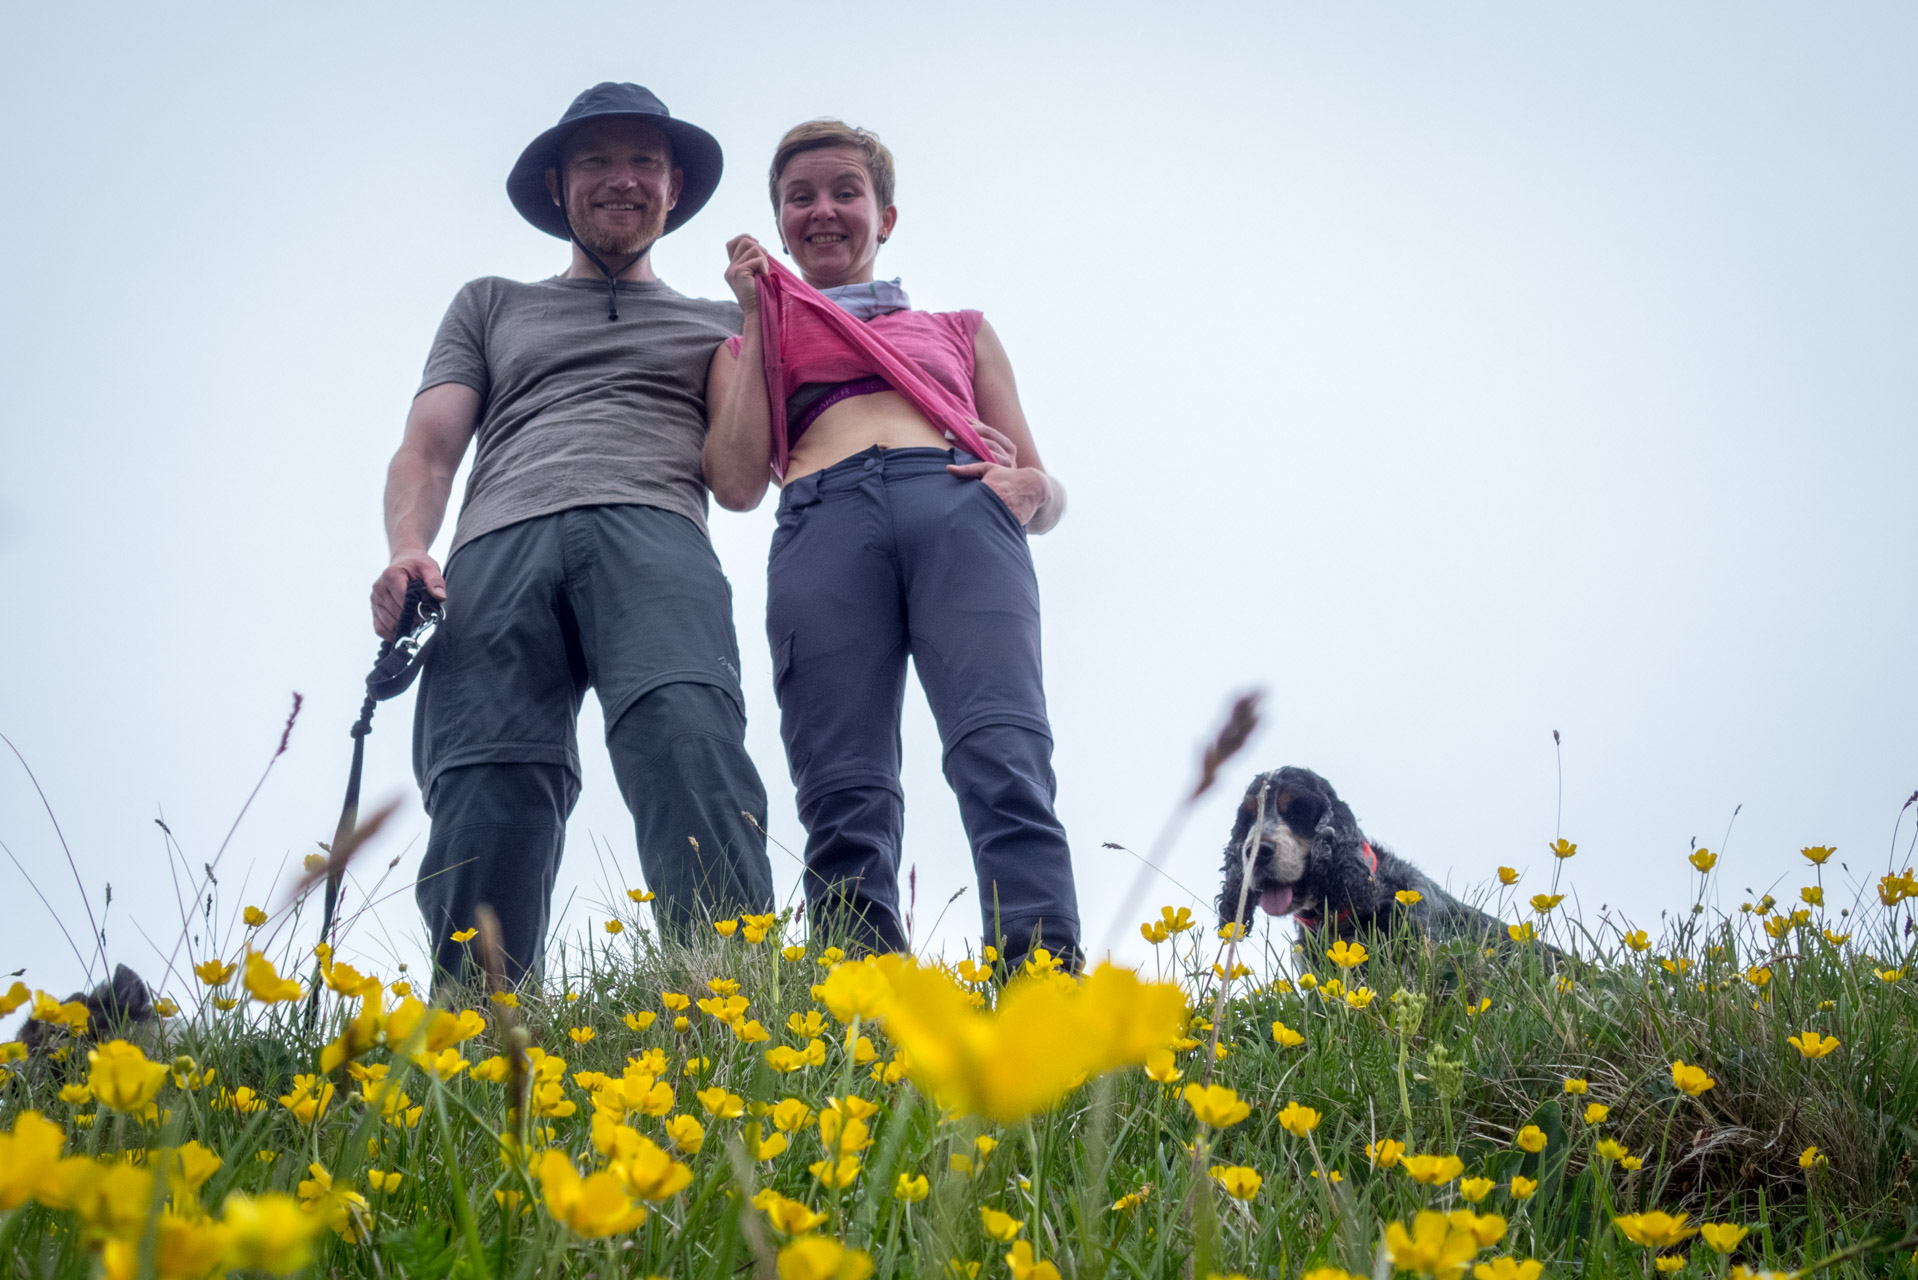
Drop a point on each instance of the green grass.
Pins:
(1432, 1071)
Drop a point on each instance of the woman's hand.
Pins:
(1022, 489)
(748, 259)
(1004, 451)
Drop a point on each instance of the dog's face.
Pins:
(1304, 828)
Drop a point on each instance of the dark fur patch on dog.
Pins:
(119, 1008)
(1312, 862)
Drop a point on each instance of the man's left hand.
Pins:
(1022, 489)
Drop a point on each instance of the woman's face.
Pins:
(829, 218)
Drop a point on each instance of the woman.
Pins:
(893, 540)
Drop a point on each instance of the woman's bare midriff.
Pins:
(886, 419)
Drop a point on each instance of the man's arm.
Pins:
(418, 482)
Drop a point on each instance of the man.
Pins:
(580, 557)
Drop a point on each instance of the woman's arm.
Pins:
(1025, 486)
(737, 458)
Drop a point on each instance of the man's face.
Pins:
(619, 184)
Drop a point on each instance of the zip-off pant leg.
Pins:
(680, 756)
(498, 831)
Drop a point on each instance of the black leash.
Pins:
(394, 671)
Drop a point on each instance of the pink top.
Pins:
(927, 356)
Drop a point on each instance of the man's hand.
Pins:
(747, 259)
(389, 590)
(1022, 489)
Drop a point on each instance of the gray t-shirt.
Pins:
(577, 410)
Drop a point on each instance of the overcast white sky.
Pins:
(1455, 372)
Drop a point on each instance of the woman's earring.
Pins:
(882, 239)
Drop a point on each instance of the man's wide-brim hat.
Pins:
(695, 152)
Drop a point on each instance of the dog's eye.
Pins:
(1300, 809)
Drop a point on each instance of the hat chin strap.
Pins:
(612, 280)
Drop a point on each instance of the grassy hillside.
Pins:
(751, 1105)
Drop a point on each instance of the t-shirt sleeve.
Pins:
(459, 348)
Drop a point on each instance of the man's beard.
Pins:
(613, 245)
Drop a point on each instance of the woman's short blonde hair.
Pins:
(815, 134)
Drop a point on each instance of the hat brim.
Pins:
(696, 154)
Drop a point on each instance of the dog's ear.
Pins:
(1302, 808)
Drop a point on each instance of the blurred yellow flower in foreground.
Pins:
(1048, 1034)
(264, 983)
(120, 1076)
(819, 1258)
(269, 1232)
(1435, 1246)
(1508, 1269)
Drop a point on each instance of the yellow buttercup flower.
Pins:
(1385, 1153)
(254, 917)
(1296, 1119)
(1812, 895)
(1811, 1158)
(788, 1217)
(1433, 1170)
(1022, 1266)
(1508, 1269)
(1597, 1113)
(1473, 1190)
(1611, 1149)
(1576, 1084)
(1889, 976)
(1723, 1237)
(121, 1078)
(1486, 1228)
(911, 1188)
(1523, 1188)
(1286, 1036)
(1817, 854)
(1811, 1045)
(595, 1206)
(1543, 903)
(1667, 1263)
(1703, 859)
(1531, 1139)
(464, 935)
(721, 1104)
(1133, 1199)
(1521, 932)
(1238, 1181)
(28, 1154)
(215, 974)
(1638, 940)
(1409, 897)
(641, 895)
(1215, 1105)
(1507, 876)
(1691, 1080)
(1346, 955)
(820, 1258)
(269, 1232)
(1435, 1246)
(1655, 1230)
(384, 1183)
(264, 983)
(1002, 1226)
(1154, 932)
(1159, 1066)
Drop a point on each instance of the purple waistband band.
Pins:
(867, 386)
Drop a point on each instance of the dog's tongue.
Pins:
(1276, 901)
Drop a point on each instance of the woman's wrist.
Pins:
(1052, 508)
